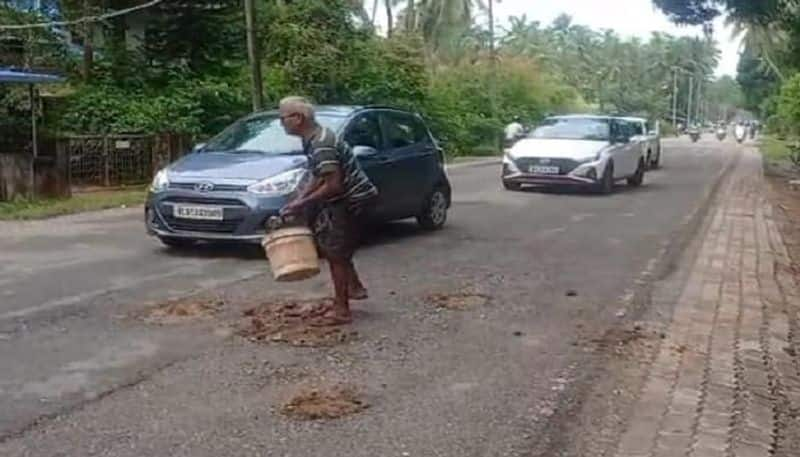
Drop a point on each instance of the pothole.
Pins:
(182, 310)
(324, 403)
(291, 322)
(618, 340)
(458, 300)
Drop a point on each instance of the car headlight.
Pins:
(586, 172)
(278, 185)
(160, 181)
(509, 164)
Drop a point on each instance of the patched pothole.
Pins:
(324, 403)
(291, 322)
(182, 311)
(457, 301)
(619, 340)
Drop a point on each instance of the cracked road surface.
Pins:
(82, 377)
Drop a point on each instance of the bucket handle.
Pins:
(281, 220)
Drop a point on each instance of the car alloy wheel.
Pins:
(638, 178)
(607, 182)
(434, 215)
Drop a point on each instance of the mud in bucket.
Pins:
(292, 254)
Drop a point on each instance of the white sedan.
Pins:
(578, 150)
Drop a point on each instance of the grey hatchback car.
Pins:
(226, 189)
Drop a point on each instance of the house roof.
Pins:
(9, 75)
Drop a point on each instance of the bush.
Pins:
(459, 107)
(189, 106)
(788, 108)
(667, 129)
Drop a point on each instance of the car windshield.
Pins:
(573, 129)
(264, 134)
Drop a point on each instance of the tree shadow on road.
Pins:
(217, 250)
(373, 235)
(588, 193)
(390, 232)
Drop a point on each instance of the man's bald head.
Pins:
(297, 105)
(297, 115)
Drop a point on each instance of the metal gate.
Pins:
(113, 160)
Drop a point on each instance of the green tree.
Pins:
(757, 83)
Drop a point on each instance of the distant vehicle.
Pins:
(228, 188)
(740, 133)
(721, 133)
(580, 150)
(694, 134)
(648, 137)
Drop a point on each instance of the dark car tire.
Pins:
(513, 186)
(655, 164)
(176, 243)
(606, 184)
(434, 213)
(638, 177)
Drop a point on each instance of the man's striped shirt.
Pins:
(326, 154)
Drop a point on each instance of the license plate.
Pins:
(544, 170)
(206, 213)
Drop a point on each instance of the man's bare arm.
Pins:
(326, 186)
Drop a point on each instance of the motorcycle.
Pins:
(721, 134)
(694, 135)
(741, 134)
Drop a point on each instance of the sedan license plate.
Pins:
(206, 213)
(544, 170)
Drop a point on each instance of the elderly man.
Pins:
(338, 192)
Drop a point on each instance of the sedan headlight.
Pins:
(509, 164)
(160, 181)
(278, 185)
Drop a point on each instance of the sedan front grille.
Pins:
(565, 166)
(216, 188)
(191, 225)
(206, 201)
(233, 212)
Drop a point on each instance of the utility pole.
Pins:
(698, 103)
(492, 68)
(689, 102)
(674, 97)
(253, 55)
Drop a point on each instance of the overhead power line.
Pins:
(85, 19)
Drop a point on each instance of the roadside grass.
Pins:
(774, 150)
(24, 208)
(480, 152)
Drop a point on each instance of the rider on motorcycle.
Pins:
(721, 132)
(740, 132)
(694, 132)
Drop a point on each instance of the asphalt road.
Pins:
(80, 376)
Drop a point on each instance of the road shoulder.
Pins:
(711, 369)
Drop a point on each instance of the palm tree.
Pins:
(444, 23)
(374, 12)
(765, 38)
(389, 17)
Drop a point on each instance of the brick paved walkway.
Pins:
(725, 381)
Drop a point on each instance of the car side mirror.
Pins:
(198, 147)
(620, 139)
(364, 151)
